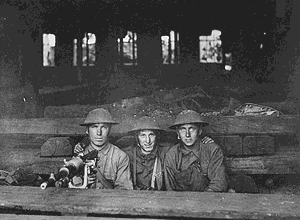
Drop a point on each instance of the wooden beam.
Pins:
(60, 217)
(232, 145)
(255, 145)
(270, 125)
(153, 204)
(20, 150)
(284, 161)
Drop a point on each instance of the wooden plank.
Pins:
(254, 124)
(60, 217)
(59, 126)
(219, 125)
(25, 151)
(153, 204)
(258, 145)
(218, 139)
(284, 161)
(233, 145)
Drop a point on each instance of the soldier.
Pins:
(113, 167)
(146, 155)
(192, 165)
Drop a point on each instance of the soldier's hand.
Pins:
(78, 148)
(207, 140)
(91, 178)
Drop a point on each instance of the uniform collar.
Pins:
(104, 150)
(185, 151)
(150, 155)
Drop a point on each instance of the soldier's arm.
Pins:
(169, 173)
(123, 180)
(217, 172)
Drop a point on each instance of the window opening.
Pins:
(88, 49)
(48, 49)
(170, 48)
(127, 48)
(210, 48)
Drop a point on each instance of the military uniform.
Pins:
(200, 171)
(146, 168)
(113, 167)
(197, 167)
(142, 167)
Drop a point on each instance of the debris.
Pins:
(256, 109)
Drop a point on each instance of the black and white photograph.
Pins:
(149, 109)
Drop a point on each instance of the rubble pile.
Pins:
(167, 103)
(162, 103)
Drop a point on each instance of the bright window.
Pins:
(210, 48)
(48, 49)
(170, 48)
(127, 48)
(89, 50)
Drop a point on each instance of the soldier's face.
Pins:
(188, 134)
(98, 134)
(147, 140)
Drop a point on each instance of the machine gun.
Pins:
(71, 168)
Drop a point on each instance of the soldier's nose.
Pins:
(188, 134)
(148, 140)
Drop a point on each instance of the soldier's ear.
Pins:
(200, 130)
(87, 130)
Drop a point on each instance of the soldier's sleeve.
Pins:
(217, 172)
(123, 180)
(169, 166)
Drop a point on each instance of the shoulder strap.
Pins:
(154, 173)
(103, 180)
(134, 166)
(178, 159)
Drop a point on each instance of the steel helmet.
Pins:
(188, 117)
(98, 115)
(146, 123)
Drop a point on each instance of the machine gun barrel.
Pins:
(68, 171)
(49, 182)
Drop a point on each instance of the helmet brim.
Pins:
(90, 123)
(156, 130)
(175, 126)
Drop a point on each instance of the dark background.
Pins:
(258, 74)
